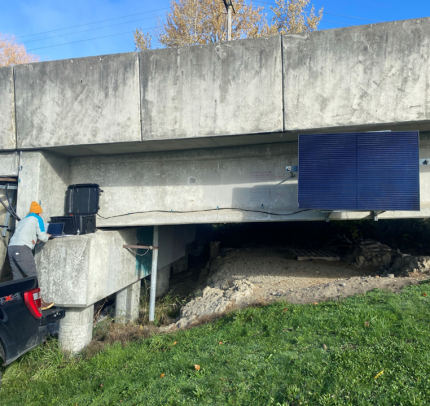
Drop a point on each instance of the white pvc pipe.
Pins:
(153, 275)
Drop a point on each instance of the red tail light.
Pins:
(33, 302)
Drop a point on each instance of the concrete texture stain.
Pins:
(7, 109)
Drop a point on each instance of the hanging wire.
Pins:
(135, 253)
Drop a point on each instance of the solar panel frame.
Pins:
(372, 171)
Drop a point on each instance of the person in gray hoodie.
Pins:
(28, 233)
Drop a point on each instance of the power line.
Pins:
(94, 22)
(334, 22)
(90, 29)
(88, 39)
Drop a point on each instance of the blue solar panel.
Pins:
(359, 171)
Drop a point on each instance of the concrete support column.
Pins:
(127, 303)
(76, 329)
(163, 277)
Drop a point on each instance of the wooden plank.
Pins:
(15, 180)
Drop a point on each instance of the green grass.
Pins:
(323, 354)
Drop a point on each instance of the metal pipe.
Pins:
(153, 276)
(229, 21)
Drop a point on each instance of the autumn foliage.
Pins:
(13, 53)
(195, 22)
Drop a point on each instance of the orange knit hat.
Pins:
(35, 208)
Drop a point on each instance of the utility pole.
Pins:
(229, 7)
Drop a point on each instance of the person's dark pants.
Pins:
(22, 261)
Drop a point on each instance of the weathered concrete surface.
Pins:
(127, 303)
(359, 75)
(7, 110)
(78, 101)
(80, 270)
(216, 89)
(44, 178)
(76, 329)
(9, 164)
(163, 278)
(240, 177)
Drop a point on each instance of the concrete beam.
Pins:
(216, 89)
(80, 270)
(244, 183)
(78, 101)
(7, 110)
(194, 180)
(357, 76)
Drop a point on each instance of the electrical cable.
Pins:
(10, 212)
(9, 201)
(135, 253)
(94, 22)
(88, 39)
(205, 210)
(90, 29)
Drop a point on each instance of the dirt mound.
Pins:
(245, 276)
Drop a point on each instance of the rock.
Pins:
(215, 300)
(390, 275)
(408, 264)
(360, 261)
(372, 253)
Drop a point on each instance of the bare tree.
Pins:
(193, 22)
(12, 53)
(142, 41)
(291, 17)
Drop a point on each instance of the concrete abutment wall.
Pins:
(235, 93)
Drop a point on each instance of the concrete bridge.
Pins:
(196, 135)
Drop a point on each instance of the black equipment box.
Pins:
(81, 224)
(82, 199)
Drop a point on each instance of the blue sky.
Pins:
(25, 18)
